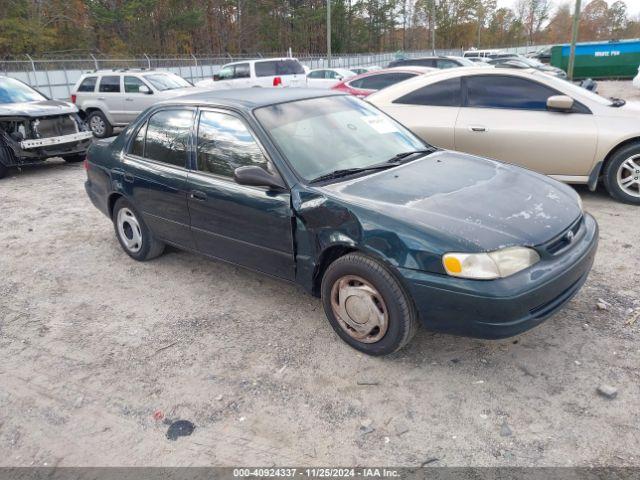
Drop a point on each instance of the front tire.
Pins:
(367, 306)
(134, 236)
(3, 170)
(622, 174)
(99, 124)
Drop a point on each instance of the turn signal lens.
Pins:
(488, 266)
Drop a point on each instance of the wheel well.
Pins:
(113, 198)
(615, 150)
(327, 258)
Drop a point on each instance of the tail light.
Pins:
(73, 98)
(277, 81)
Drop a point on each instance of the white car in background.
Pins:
(114, 98)
(271, 72)
(327, 77)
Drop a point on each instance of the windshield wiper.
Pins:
(344, 172)
(402, 155)
(617, 102)
(392, 162)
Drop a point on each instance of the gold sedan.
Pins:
(527, 118)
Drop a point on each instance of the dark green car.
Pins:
(324, 190)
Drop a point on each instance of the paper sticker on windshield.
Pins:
(380, 124)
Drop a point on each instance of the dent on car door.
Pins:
(430, 111)
(505, 118)
(246, 225)
(153, 174)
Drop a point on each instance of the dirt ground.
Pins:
(100, 353)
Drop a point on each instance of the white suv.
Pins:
(271, 72)
(114, 98)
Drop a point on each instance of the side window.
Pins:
(242, 71)
(224, 144)
(428, 62)
(110, 84)
(330, 74)
(167, 137)
(316, 74)
(503, 91)
(133, 84)
(88, 84)
(378, 82)
(137, 146)
(446, 93)
(226, 73)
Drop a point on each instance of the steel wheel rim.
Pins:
(97, 125)
(628, 176)
(129, 230)
(359, 309)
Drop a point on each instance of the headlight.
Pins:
(487, 266)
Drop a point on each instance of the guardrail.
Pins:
(56, 77)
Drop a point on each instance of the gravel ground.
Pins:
(101, 353)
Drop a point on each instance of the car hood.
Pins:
(42, 108)
(482, 204)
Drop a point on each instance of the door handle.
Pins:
(128, 177)
(128, 99)
(477, 128)
(100, 98)
(197, 195)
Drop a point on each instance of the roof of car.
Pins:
(250, 98)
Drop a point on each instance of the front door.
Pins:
(154, 174)
(506, 118)
(135, 100)
(249, 226)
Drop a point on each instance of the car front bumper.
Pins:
(505, 307)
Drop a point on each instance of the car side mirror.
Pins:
(144, 89)
(257, 177)
(339, 78)
(216, 77)
(559, 103)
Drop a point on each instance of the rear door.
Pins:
(430, 111)
(136, 101)
(110, 95)
(506, 118)
(154, 173)
(249, 226)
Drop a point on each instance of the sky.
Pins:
(633, 6)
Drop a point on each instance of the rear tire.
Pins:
(367, 306)
(3, 170)
(6, 159)
(622, 174)
(133, 234)
(99, 124)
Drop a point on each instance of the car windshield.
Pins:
(166, 81)
(465, 62)
(321, 135)
(14, 91)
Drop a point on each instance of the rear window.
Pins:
(378, 82)
(88, 84)
(446, 93)
(278, 67)
(110, 84)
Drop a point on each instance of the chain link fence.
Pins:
(56, 76)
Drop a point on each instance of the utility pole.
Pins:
(329, 33)
(574, 39)
(433, 26)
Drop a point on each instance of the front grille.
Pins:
(55, 126)
(565, 239)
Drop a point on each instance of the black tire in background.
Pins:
(616, 169)
(148, 247)
(401, 315)
(74, 158)
(6, 159)
(3, 170)
(99, 125)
